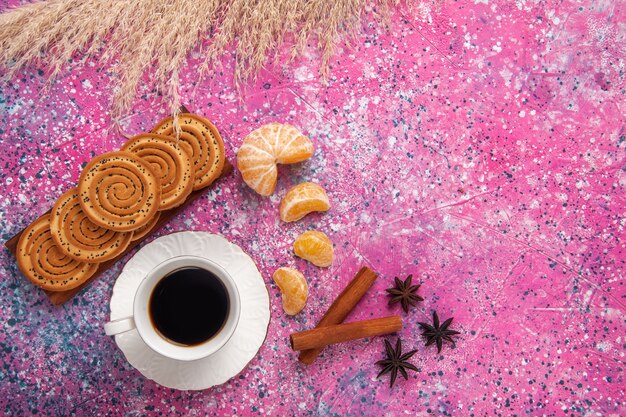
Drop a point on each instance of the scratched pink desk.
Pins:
(478, 145)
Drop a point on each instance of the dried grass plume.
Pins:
(137, 36)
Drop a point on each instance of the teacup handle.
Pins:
(119, 326)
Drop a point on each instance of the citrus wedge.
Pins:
(301, 200)
(262, 149)
(315, 247)
(293, 287)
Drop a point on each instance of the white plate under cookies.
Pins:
(242, 346)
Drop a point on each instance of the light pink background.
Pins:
(479, 146)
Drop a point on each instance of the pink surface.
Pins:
(479, 146)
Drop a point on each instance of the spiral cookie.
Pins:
(119, 191)
(204, 140)
(79, 237)
(169, 161)
(44, 263)
(146, 228)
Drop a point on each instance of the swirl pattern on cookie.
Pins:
(146, 228)
(42, 261)
(204, 140)
(170, 162)
(79, 237)
(119, 191)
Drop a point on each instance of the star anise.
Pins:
(404, 292)
(396, 361)
(438, 333)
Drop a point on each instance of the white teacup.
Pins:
(142, 321)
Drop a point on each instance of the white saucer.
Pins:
(242, 346)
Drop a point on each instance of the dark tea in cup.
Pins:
(189, 306)
(186, 308)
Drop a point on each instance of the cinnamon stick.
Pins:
(342, 306)
(327, 335)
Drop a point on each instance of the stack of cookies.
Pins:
(118, 200)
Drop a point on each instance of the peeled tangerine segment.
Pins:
(263, 148)
(301, 200)
(294, 289)
(315, 247)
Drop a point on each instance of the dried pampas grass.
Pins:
(138, 36)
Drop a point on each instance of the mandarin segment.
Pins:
(301, 200)
(293, 287)
(263, 148)
(315, 247)
(290, 145)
